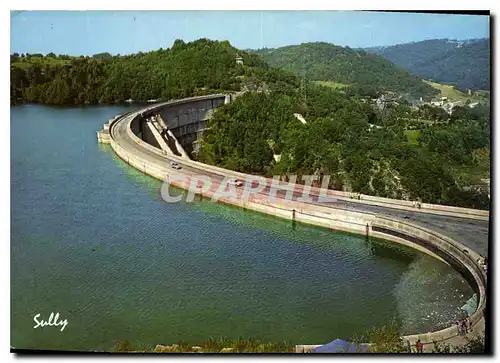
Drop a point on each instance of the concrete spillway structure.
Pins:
(186, 121)
(130, 139)
(159, 141)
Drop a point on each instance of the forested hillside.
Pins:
(396, 152)
(408, 54)
(186, 69)
(327, 62)
(338, 140)
(464, 64)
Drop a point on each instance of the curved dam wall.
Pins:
(186, 119)
(369, 224)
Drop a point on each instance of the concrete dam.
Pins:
(152, 137)
(177, 128)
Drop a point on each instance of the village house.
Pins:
(387, 99)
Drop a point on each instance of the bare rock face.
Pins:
(196, 348)
(227, 350)
(160, 348)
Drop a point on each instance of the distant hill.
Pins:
(328, 62)
(408, 54)
(465, 64)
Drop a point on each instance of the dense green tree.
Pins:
(104, 55)
(337, 140)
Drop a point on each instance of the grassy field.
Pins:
(412, 136)
(28, 62)
(455, 95)
(331, 84)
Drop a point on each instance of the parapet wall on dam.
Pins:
(126, 138)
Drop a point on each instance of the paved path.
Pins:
(457, 341)
(470, 232)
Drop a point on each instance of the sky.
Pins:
(126, 32)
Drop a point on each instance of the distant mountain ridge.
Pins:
(463, 63)
(443, 44)
(327, 62)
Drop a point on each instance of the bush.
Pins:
(123, 346)
(474, 345)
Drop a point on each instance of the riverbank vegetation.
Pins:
(474, 345)
(383, 339)
(214, 345)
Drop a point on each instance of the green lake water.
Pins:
(92, 240)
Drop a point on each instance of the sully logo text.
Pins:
(53, 321)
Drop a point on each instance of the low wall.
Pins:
(103, 137)
(453, 252)
(340, 195)
(441, 209)
(365, 199)
(443, 247)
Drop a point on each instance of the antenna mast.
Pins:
(303, 86)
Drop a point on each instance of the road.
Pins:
(472, 233)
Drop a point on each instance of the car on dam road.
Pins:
(174, 165)
(235, 182)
